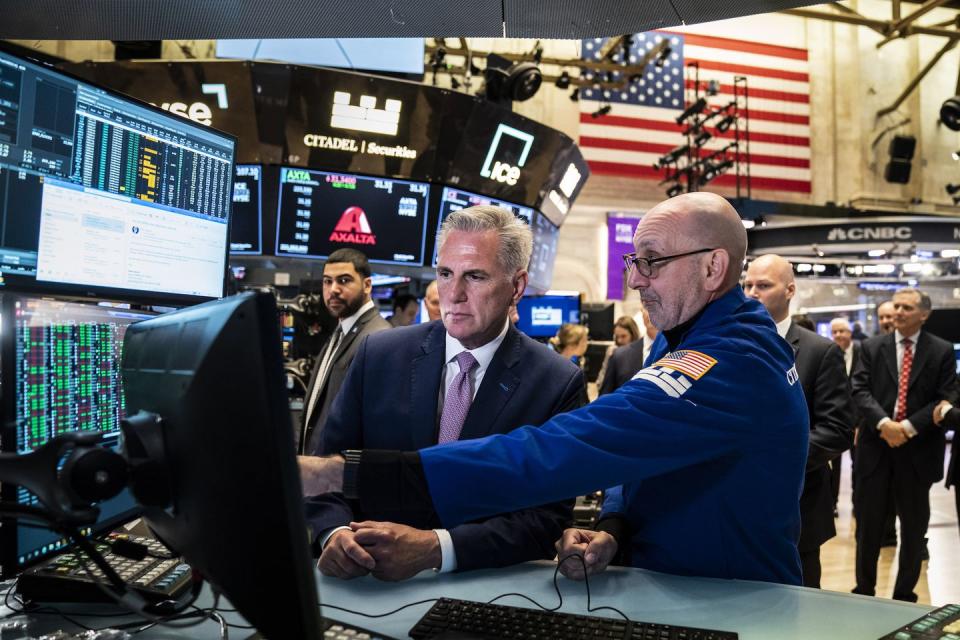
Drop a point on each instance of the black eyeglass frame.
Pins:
(633, 260)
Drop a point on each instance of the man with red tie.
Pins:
(898, 381)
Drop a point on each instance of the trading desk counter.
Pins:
(755, 610)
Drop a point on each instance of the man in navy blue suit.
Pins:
(467, 376)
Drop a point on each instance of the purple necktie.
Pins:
(458, 399)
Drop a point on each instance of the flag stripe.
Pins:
(754, 116)
(648, 159)
(660, 149)
(727, 180)
(674, 140)
(743, 69)
(741, 45)
(769, 94)
(648, 125)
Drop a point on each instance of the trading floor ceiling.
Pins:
(214, 19)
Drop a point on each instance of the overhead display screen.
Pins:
(456, 199)
(362, 124)
(246, 221)
(320, 212)
(545, 239)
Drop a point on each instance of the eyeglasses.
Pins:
(649, 267)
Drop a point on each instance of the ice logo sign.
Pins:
(500, 170)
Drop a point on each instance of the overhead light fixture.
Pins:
(950, 113)
(713, 87)
(877, 253)
(816, 250)
(692, 110)
(803, 267)
(674, 191)
(602, 111)
(912, 267)
(671, 156)
(950, 253)
(952, 189)
(575, 96)
(663, 57)
(748, 224)
(563, 81)
(955, 155)
(702, 138)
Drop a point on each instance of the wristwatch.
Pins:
(351, 473)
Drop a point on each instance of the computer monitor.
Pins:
(456, 199)
(956, 353)
(541, 316)
(60, 372)
(214, 375)
(105, 196)
(246, 219)
(546, 237)
(320, 212)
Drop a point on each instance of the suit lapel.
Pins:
(426, 374)
(921, 353)
(793, 339)
(888, 351)
(498, 385)
(355, 331)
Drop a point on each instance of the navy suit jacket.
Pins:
(390, 400)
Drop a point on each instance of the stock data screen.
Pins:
(456, 199)
(542, 316)
(66, 377)
(545, 239)
(98, 191)
(321, 212)
(245, 218)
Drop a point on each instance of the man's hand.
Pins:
(343, 558)
(937, 415)
(321, 475)
(894, 433)
(400, 552)
(597, 548)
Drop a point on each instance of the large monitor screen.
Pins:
(320, 212)
(542, 316)
(61, 372)
(398, 55)
(545, 239)
(246, 220)
(456, 199)
(103, 195)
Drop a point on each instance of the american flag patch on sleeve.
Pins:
(692, 363)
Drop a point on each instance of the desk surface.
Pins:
(755, 610)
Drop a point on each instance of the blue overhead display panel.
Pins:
(396, 55)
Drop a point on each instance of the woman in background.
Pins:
(625, 331)
(571, 342)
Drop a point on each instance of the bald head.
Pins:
(706, 220)
(431, 300)
(841, 332)
(885, 316)
(769, 280)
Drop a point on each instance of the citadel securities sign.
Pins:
(776, 238)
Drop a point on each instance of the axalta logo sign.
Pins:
(353, 227)
(839, 234)
(365, 116)
(501, 171)
(199, 111)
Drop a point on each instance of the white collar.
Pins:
(483, 354)
(899, 337)
(346, 324)
(783, 326)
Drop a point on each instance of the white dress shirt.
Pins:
(848, 358)
(783, 326)
(898, 340)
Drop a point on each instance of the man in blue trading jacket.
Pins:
(402, 393)
(708, 443)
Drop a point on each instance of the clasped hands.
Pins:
(894, 433)
(937, 414)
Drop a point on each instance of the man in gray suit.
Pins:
(346, 294)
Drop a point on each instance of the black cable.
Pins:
(556, 586)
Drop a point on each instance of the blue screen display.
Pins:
(541, 316)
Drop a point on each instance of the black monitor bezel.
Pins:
(9, 563)
(30, 285)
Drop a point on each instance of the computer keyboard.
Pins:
(336, 630)
(499, 621)
(939, 624)
(64, 579)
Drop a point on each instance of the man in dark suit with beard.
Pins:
(346, 294)
(770, 280)
(897, 383)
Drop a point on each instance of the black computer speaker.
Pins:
(901, 153)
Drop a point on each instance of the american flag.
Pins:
(641, 126)
(692, 363)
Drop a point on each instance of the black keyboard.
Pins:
(64, 579)
(494, 621)
(939, 624)
(335, 630)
